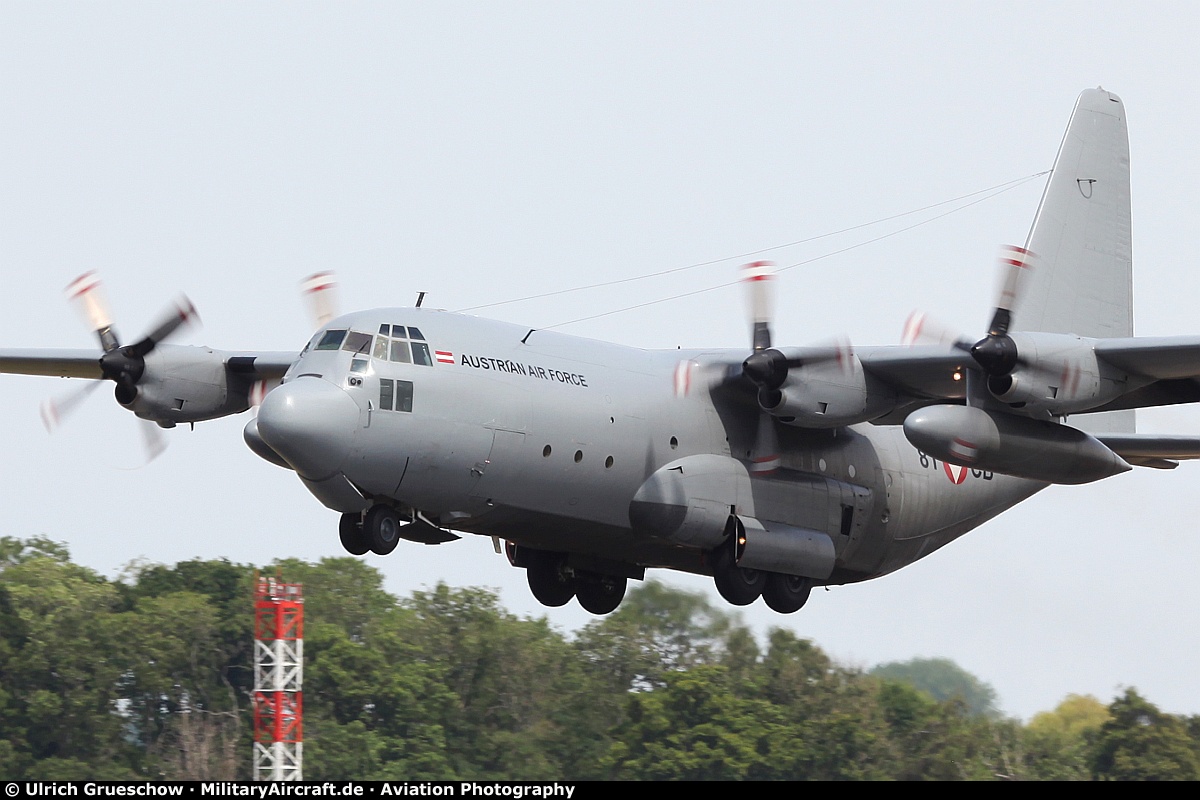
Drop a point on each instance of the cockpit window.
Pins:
(358, 365)
(357, 342)
(420, 352)
(398, 348)
(332, 340)
(400, 352)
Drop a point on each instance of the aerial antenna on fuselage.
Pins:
(420, 298)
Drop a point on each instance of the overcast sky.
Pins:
(483, 152)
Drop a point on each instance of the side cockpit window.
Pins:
(332, 340)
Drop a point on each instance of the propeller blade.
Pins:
(171, 320)
(55, 410)
(758, 278)
(765, 458)
(320, 289)
(85, 293)
(153, 440)
(1013, 262)
(920, 328)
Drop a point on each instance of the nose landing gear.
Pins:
(378, 531)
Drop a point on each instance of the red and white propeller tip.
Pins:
(759, 277)
(920, 328)
(320, 290)
(1014, 262)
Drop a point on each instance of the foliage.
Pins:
(150, 676)
(943, 679)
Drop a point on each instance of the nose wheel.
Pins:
(381, 526)
(377, 532)
(350, 531)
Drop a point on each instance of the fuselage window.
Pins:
(357, 342)
(358, 365)
(404, 395)
(332, 340)
(386, 389)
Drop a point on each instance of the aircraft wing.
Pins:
(1161, 357)
(924, 372)
(85, 363)
(1152, 450)
(54, 362)
(267, 365)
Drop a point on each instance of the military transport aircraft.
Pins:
(772, 469)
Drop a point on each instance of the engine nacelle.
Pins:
(828, 395)
(1058, 374)
(186, 384)
(1011, 445)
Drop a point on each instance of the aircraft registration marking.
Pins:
(955, 473)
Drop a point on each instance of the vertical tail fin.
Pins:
(1083, 283)
(1082, 238)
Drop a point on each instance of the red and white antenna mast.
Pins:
(278, 680)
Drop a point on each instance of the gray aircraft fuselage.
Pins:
(543, 439)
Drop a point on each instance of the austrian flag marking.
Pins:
(956, 474)
(443, 356)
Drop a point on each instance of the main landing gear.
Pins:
(554, 582)
(378, 531)
(785, 594)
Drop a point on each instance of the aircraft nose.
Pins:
(310, 423)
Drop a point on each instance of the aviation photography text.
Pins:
(483, 789)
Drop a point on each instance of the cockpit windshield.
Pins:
(357, 342)
(332, 340)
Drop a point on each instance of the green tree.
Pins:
(59, 669)
(1141, 743)
(1060, 742)
(656, 631)
(944, 680)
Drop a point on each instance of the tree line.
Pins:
(149, 676)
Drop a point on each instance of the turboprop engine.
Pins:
(817, 387)
(1055, 374)
(184, 384)
(1011, 445)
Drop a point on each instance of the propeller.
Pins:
(123, 365)
(768, 368)
(320, 289)
(759, 279)
(996, 353)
